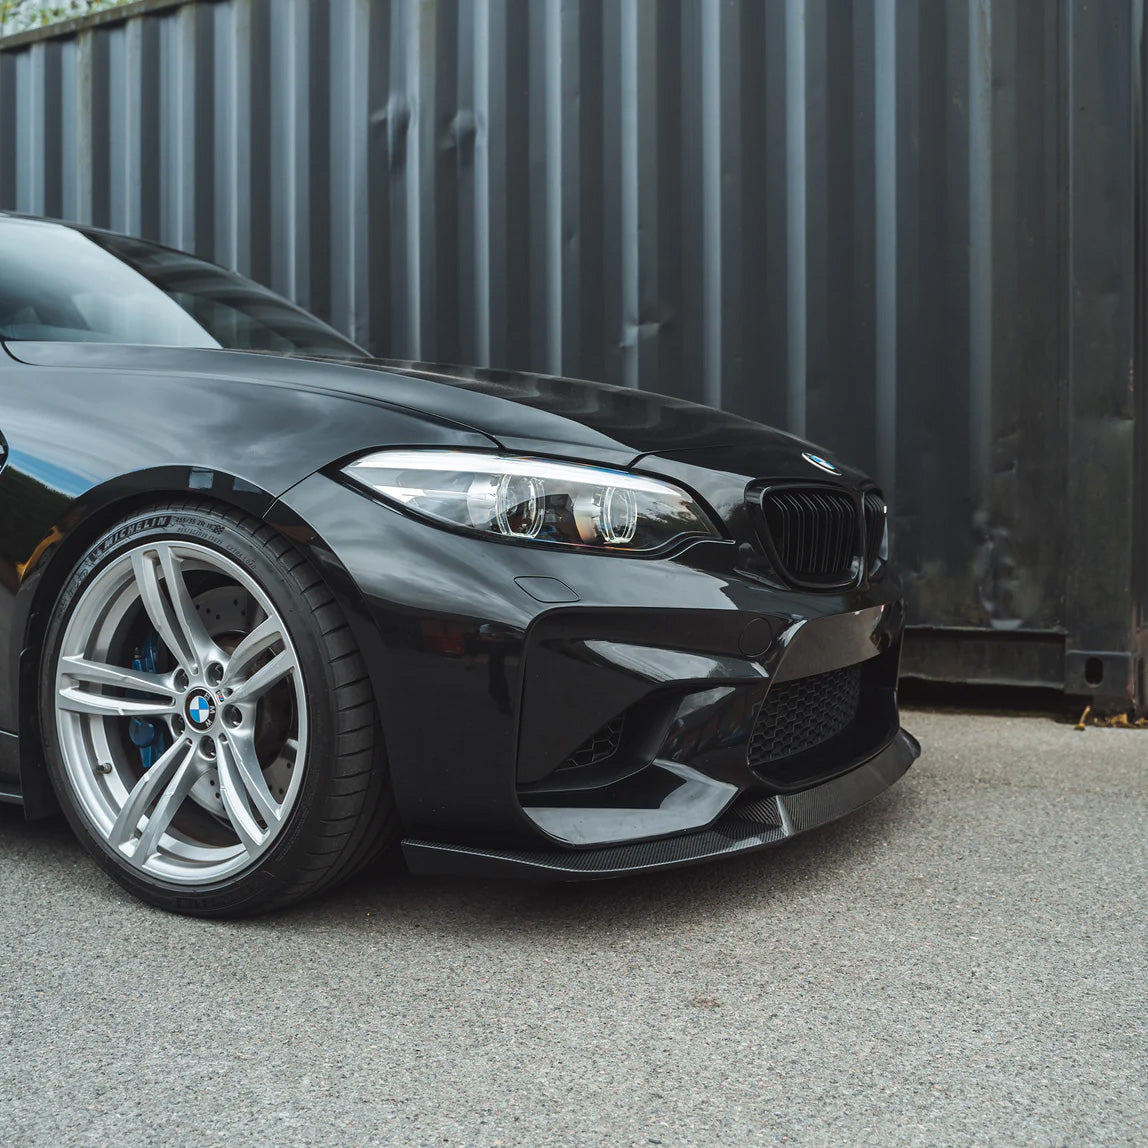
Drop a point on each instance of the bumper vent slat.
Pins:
(602, 746)
(800, 715)
(815, 533)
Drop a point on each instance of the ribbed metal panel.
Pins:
(906, 230)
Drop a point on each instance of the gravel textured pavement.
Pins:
(962, 962)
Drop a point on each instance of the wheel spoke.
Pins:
(170, 778)
(244, 771)
(263, 679)
(101, 673)
(232, 791)
(158, 611)
(165, 809)
(76, 700)
(267, 634)
(191, 627)
(79, 701)
(172, 614)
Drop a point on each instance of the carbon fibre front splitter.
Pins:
(750, 823)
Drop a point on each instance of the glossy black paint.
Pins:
(504, 687)
(492, 661)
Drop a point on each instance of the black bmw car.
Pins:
(270, 607)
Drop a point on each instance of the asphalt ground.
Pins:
(962, 962)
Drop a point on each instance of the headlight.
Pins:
(536, 499)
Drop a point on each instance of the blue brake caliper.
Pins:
(147, 734)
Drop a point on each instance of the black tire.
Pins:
(343, 813)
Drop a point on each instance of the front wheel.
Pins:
(208, 723)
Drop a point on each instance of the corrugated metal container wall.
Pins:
(908, 231)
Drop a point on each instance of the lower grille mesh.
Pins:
(799, 715)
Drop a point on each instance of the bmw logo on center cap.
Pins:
(200, 710)
(820, 463)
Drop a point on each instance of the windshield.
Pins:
(59, 284)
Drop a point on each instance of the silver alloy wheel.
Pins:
(230, 705)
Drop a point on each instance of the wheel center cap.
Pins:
(199, 708)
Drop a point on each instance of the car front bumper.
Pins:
(749, 824)
(496, 666)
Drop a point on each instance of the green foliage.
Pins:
(20, 15)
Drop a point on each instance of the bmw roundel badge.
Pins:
(820, 463)
(200, 709)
